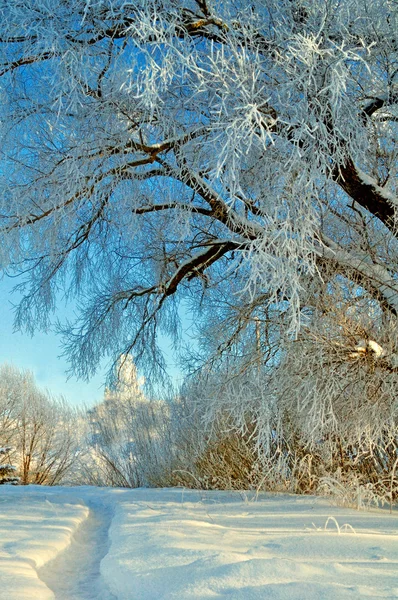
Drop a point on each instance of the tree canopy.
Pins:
(236, 155)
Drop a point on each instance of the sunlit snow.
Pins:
(117, 544)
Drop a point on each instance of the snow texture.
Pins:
(119, 544)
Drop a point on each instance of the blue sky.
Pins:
(42, 354)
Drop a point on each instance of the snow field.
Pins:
(191, 545)
(35, 526)
(117, 544)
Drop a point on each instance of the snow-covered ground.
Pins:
(115, 544)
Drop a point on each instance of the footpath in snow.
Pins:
(113, 544)
(75, 572)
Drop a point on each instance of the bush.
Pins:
(41, 429)
(7, 470)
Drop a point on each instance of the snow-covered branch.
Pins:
(375, 277)
(135, 135)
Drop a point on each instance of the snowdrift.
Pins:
(117, 544)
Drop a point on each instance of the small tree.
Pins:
(129, 434)
(7, 471)
(41, 429)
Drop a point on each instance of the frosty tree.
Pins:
(38, 434)
(7, 471)
(127, 434)
(157, 150)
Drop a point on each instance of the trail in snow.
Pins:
(175, 544)
(75, 573)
